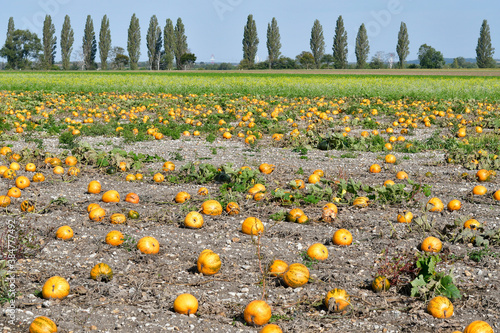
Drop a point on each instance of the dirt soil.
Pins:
(140, 296)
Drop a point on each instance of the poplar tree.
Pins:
(402, 48)
(134, 42)
(340, 45)
(168, 43)
(362, 47)
(49, 42)
(250, 41)
(484, 49)
(317, 43)
(273, 42)
(153, 40)
(180, 45)
(67, 39)
(89, 44)
(10, 29)
(104, 42)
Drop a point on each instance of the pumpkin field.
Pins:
(207, 202)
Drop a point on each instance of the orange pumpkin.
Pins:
(318, 251)
(158, 178)
(55, 287)
(496, 195)
(296, 275)
(130, 178)
(257, 313)
(232, 208)
(479, 190)
(342, 237)
(375, 168)
(186, 304)
(271, 328)
(454, 205)
(148, 245)
(435, 205)
(111, 196)
(483, 175)
(211, 207)
(297, 184)
(440, 307)
(132, 198)
(478, 326)
(70, 161)
(22, 182)
(182, 197)
(58, 170)
(27, 206)
(340, 299)
(9, 174)
(4, 200)
(402, 175)
(252, 226)
(14, 192)
(431, 244)
(42, 325)
(313, 179)
(38, 177)
(73, 171)
(203, 191)
(92, 206)
(406, 217)
(380, 283)
(294, 214)
(208, 262)
(94, 187)
(277, 268)
(168, 166)
(361, 202)
(65, 232)
(115, 238)
(101, 272)
(472, 224)
(389, 158)
(193, 220)
(118, 218)
(266, 168)
(30, 167)
(97, 214)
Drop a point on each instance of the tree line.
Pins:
(168, 47)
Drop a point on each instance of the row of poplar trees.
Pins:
(484, 50)
(174, 44)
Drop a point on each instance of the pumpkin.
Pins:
(496, 195)
(271, 328)
(130, 178)
(111, 196)
(208, 262)
(454, 205)
(277, 268)
(294, 214)
(330, 211)
(65, 232)
(9, 174)
(97, 214)
(114, 238)
(259, 196)
(431, 244)
(402, 175)
(186, 304)
(472, 224)
(478, 326)
(148, 245)
(479, 190)
(203, 191)
(70, 161)
(483, 175)
(342, 237)
(43, 325)
(55, 287)
(252, 226)
(440, 307)
(380, 283)
(58, 170)
(133, 214)
(111, 170)
(101, 272)
(5, 150)
(313, 179)
(14, 192)
(27, 206)
(297, 184)
(73, 171)
(15, 166)
(181, 197)
(361, 202)
(168, 166)
(4, 200)
(406, 217)
(232, 208)
(296, 275)
(30, 167)
(340, 300)
(92, 206)
(132, 198)
(318, 251)
(375, 168)
(139, 176)
(38, 177)
(435, 205)
(319, 172)
(158, 178)
(211, 207)
(266, 168)
(193, 220)
(122, 166)
(388, 182)
(257, 313)
(118, 218)
(55, 162)
(22, 182)
(389, 158)
(94, 187)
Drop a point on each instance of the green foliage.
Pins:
(21, 49)
(67, 140)
(154, 43)
(480, 254)
(340, 45)
(273, 42)
(134, 41)
(49, 43)
(66, 41)
(129, 243)
(429, 57)
(5, 293)
(362, 47)
(317, 43)
(89, 45)
(180, 45)
(278, 216)
(430, 283)
(402, 48)
(104, 42)
(308, 261)
(168, 44)
(250, 41)
(484, 49)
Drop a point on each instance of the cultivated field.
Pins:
(331, 152)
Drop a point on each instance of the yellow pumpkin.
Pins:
(435, 205)
(340, 299)
(148, 245)
(65, 232)
(114, 238)
(55, 287)
(101, 272)
(257, 313)
(208, 262)
(186, 304)
(181, 197)
(118, 218)
(277, 268)
(266, 168)
(380, 283)
(440, 307)
(111, 196)
(211, 207)
(193, 220)
(318, 251)
(294, 215)
(252, 226)
(478, 326)
(42, 325)
(97, 214)
(296, 275)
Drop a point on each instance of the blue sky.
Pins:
(215, 27)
